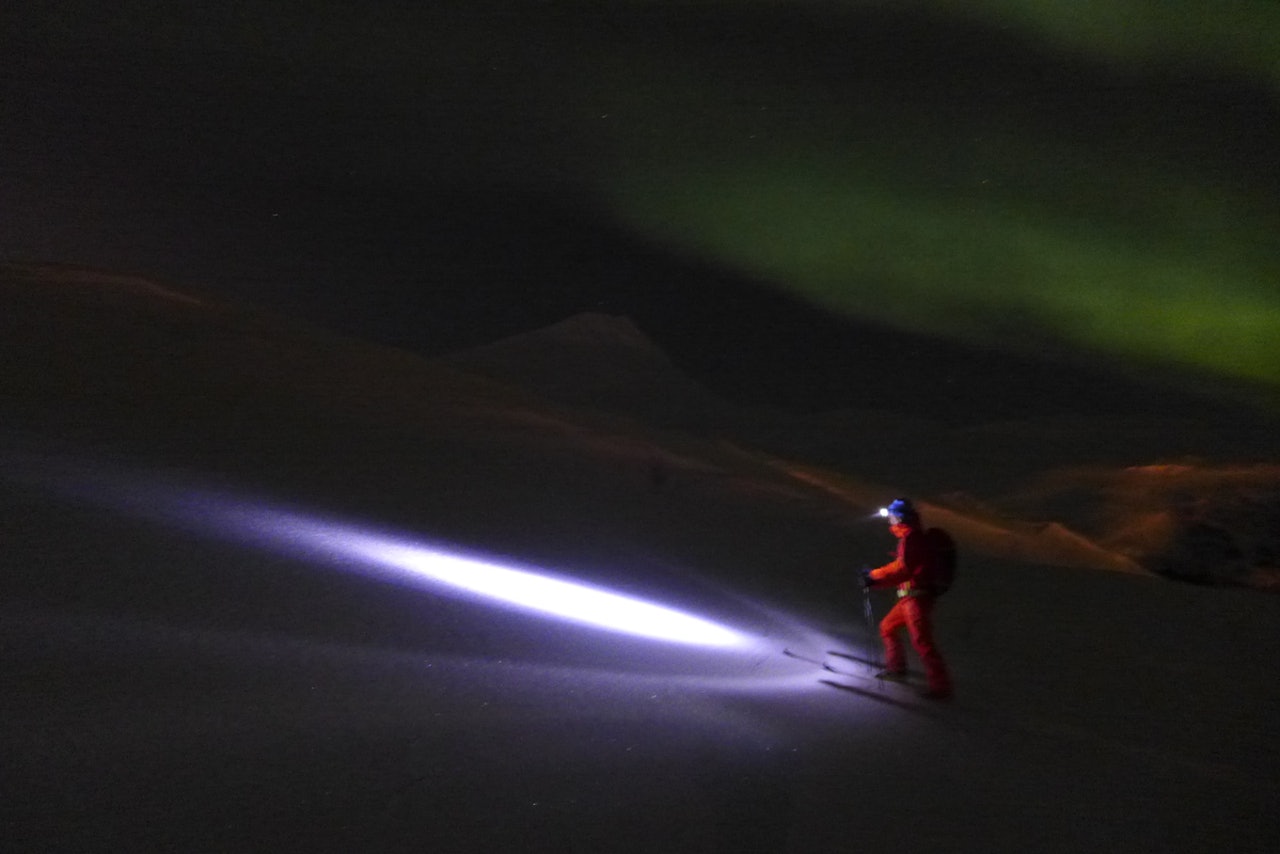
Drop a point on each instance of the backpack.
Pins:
(944, 560)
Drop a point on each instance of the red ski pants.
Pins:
(912, 613)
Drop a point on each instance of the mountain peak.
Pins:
(600, 361)
(588, 329)
(70, 275)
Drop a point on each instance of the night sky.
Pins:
(775, 191)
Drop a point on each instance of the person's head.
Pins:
(901, 512)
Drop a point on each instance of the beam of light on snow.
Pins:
(379, 555)
(556, 597)
(399, 560)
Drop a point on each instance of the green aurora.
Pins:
(1091, 176)
(1137, 237)
(1195, 287)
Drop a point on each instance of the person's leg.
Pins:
(895, 660)
(917, 617)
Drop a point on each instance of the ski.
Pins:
(868, 662)
(839, 667)
(907, 688)
(789, 653)
(904, 681)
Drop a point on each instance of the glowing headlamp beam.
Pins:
(395, 559)
(555, 597)
(388, 557)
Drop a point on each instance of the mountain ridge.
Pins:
(590, 403)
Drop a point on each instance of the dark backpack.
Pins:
(944, 560)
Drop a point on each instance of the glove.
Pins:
(865, 574)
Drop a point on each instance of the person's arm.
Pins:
(913, 555)
(890, 574)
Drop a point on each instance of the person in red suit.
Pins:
(911, 570)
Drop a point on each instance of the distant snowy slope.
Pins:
(561, 417)
(97, 364)
(1193, 520)
(603, 363)
(119, 348)
(600, 362)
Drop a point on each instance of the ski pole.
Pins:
(871, 623)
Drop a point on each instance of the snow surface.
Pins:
(173, 685)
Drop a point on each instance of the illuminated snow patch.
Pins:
(397, 560)
(385, 556)
(556, 597)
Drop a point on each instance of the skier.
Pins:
(910, 571)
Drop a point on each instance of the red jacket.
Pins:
(912, 569)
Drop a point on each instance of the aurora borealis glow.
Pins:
(1097, 177)
(1102, 200)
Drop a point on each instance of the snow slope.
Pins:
(173, 684)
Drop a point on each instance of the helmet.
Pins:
(903, 509)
